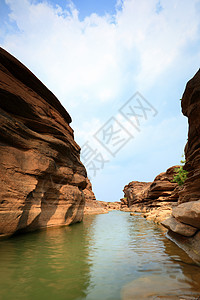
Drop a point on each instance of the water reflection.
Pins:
(166, 271)
(51, 264)
(107, 257)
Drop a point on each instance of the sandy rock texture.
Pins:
(92, 206)
(154, 199)
(41, 176)
(191, 109)
(187, 213)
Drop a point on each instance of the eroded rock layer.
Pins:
(184, 225)
(191, 109)
(150, 196)
(41, 176)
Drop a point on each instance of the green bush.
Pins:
(181, 174)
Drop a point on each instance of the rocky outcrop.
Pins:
(41, 176)
(162, 191)
(191, 109)
(95, 207)
(156, 199)
(92, 206)
(185, 222)
(88, 192)
(114, 205)
(134, 193)
(158, 214)
(187, 213)
(178, 227)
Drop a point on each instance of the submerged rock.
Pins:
(41, 176)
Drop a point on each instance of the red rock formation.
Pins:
(134, 193)
(89, 195)
(41, 176)
(187, 213)
(191, 109)
(144, 196)
(92, 206)
(114, 205)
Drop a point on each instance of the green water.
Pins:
(110, 256)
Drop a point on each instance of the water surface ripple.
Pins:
(107, 257)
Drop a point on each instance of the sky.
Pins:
(120, 69)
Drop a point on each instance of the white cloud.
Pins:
(94, 65)
(97, 56)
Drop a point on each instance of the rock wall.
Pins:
(41, 176)
(191, 109)
(184, 224)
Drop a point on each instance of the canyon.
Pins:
(44, 184)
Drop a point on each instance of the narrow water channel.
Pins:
(107, 257)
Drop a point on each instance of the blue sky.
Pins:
(94, 56)
(87, 7)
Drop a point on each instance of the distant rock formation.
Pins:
(134, 193)
(184, 225)
(41, 176)
(148, 196)
(93, 206)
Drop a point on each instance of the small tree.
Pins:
(181, 174)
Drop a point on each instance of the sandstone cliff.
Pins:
(184, 224)
(191, 109)
(41, 176)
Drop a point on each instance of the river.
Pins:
(106, 257)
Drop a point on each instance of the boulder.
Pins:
(188, 213)
(178, 227)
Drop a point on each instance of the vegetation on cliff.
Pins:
(181, 174)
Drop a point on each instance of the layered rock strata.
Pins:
(187, 213)
(155, 197)
(41, 176)
(191, 109)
